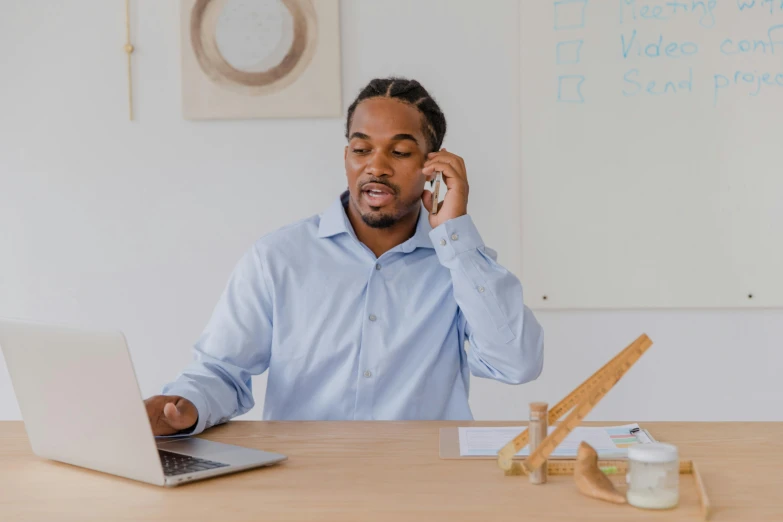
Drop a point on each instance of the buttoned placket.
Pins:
(371, 341)
(374, 326)
(374, 321)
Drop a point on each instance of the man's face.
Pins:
(383, 161)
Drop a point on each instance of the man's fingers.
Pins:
(426, 198)
(179, 415)
(450, 174)
(451, 160)
(446, 157)
(188, 410)
(171, 412)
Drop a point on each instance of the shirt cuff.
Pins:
(454, 237)
(190, 393)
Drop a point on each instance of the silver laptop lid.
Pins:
(79, 398)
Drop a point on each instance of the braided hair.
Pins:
(409, 91)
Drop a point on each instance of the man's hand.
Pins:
(169, 414)
(456, 178)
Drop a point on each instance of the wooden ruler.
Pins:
(609, 467)
(582, 400)
(620, 467)
(129, 50)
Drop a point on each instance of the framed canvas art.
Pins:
(246, 59)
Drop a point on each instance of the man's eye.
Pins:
(402, 154)
(360, 151)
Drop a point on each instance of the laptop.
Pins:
(81, 405)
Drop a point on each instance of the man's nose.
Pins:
(378, 165)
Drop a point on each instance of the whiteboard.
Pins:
(651, 144)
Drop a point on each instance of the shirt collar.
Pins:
(334, 221)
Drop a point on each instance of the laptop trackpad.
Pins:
(216, 451)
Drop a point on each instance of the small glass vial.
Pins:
(653, 476)
(537, 431)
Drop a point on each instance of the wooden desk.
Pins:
(387, 471)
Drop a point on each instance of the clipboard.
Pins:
(448, 447)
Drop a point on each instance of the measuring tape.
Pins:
(582, 400)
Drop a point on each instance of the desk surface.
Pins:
(388, 471)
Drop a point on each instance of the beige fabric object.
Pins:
(590, 480)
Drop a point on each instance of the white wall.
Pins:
(137, 225)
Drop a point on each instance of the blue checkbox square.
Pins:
(570, 14)
(569, 88)
(569, 52)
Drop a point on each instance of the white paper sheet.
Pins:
(609, 442)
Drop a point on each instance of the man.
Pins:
(362, 312)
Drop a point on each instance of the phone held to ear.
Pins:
(435, 192)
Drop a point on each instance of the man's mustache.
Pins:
(381, 181)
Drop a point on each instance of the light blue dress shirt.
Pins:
(345, 335)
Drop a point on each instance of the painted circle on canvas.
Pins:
(253, 46)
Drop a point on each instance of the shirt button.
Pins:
(367, 373)
(372, 317)
(378, 266)
(481, 289)
(454, 237)
(442, 242)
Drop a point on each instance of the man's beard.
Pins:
(389, 218)
(379, 221)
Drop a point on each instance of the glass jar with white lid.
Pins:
(653, 476)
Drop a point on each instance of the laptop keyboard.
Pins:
(177, 464)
